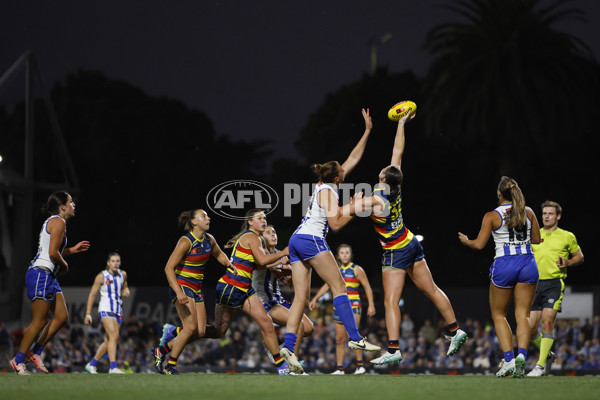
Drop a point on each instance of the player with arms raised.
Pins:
(402, 253)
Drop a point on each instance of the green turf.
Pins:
(256, 386)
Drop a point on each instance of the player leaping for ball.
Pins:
(402, 253)
(308, 249)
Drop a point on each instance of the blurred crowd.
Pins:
(423, 347)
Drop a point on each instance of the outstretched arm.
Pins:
(362, 206)
(484, 234)
(398, 150)
(359, 149)
(335, 217)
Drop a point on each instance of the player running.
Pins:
(557, 250)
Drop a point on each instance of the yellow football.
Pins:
(399, 110)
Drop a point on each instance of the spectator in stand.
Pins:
(429, 331)
(587, 329)
(408, 326)
(481, 359)
(596, 327)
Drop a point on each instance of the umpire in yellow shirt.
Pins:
(558, 249)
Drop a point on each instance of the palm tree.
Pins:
(505, 76)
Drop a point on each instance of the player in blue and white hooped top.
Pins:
(112, 285)
(308, 249)
(266, 282)
(43, 289)
(514, 272)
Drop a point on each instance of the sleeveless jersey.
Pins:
(558, 243)
(190, 271)
(42, 258)
(315, 221)
(511, 241)
(110, 292)
(352, 284)
(267, 286)
(243, 260)
(389, 224)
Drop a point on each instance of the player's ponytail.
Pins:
(245, 226)
(327, 172)
(510, 190)
(185, 220)
(393, 178)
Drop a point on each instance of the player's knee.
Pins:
(39, 323)
(266, 323)
(390, 302)
(309, 328)
(188, 330)
(301, 298)
(547, 326)
(498, 314)
(534, 331)
(522, 315)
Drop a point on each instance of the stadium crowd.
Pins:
(577, 346)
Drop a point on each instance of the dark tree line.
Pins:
(506, 94)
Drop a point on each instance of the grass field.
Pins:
(257, 386)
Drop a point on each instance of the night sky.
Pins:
(257, 69)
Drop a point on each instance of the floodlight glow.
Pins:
(419, 237)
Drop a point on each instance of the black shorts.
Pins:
(549, 294)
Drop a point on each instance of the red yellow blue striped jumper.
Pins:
(190, 271)
(389, 224)
(243, 260)
(348, 272)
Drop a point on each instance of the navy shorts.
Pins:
(198, 297)
(548, 294)
(108, 314)
(507, 271)
(304, 247)
(231, 296)
(41, 284)
(402, 258)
